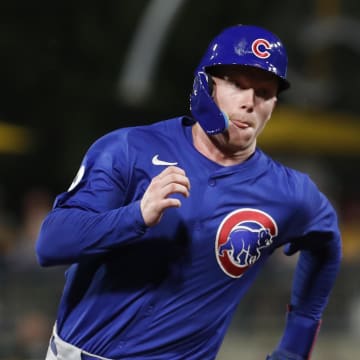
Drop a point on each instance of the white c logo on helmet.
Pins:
(259, 48)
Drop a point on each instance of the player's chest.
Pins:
(226, 224)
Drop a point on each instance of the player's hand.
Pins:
(156, 200)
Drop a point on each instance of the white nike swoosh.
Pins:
(156, 161)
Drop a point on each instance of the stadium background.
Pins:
(71, 71)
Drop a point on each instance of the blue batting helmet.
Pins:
(245, 45)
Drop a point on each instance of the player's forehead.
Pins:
(239, 71)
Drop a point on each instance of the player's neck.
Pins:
(219, 152)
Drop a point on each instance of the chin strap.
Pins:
(203, 107)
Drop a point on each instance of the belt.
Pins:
(83, 355)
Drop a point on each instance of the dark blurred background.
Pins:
(71, 71)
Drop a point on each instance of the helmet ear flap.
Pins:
(203, 107)
(210, 82)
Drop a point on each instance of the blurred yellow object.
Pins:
(311, 132)
(351, 244)
(14, 139)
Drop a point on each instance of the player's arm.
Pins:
(94, 217)
(315, 273)
(69, 234)
(314, 278)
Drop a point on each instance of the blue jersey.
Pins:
(169, 291)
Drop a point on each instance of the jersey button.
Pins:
(212, 182)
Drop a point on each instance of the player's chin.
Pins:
(241, 145)
(243, 137)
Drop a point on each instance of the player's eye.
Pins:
(264, 93)
(233, 82)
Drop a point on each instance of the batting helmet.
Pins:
(245, 45)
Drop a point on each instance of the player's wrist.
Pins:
(284, 355)
(300, 335)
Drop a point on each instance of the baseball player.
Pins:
(166, 225)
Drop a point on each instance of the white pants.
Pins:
(66, 351)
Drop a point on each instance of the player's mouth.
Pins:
(241, 124)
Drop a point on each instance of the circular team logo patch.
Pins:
(241, 238)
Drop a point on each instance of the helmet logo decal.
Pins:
(241, 238)
(259, 48)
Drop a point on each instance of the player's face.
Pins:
(248, 96)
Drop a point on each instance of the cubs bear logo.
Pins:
(241, 238)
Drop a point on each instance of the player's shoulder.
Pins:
(289, 173)
(120, 137)
(157, 130)
(296, 183)
(130, 134)
(120, 142)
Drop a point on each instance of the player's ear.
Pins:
(274, 103)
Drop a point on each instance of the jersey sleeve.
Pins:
(317, 237)
(93, 216)
(319, 243)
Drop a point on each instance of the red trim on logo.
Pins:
(232, 220)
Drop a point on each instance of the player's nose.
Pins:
(247, 99)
